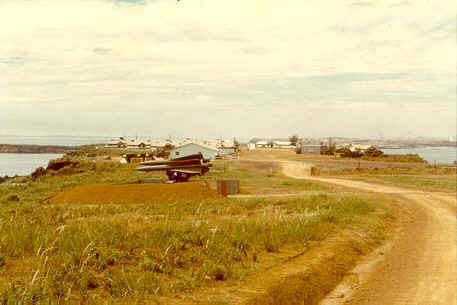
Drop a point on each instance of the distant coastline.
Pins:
(34, 149)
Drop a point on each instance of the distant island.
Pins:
(34, 149)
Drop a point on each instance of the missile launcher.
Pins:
(179, 169)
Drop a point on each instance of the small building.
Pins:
(262, 144)
(159, 144)
(283, 144)
(251, 146)
(360, 147)
(310, 149)
(227, 150)
(116, 143)
(208, 152)
(137, 144)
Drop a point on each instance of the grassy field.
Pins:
(264, 177)
(430, 178)
(416, 176)
(431, 183)
(167, 248)
(332, 162)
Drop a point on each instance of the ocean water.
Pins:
(23, 164)
(439, 155)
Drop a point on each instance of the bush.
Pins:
(345, 152)
(13, 198)
(39, 172)
(373, 152)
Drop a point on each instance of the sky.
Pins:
(244, 68)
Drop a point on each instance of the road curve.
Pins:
(417, 267)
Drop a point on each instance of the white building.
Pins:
(116, 143)
(208, 152)
(310, 149)
(262, 144)
(283, 144)
(138, 144)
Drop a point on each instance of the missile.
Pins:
(173, 162)
(170, 167)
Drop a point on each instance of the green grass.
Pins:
(429, 178)
(29, 190)
(408, 158)
(262, 178)
(432, 183)
(392, 171)
(83, 253)
(255, 178)
(137, 254)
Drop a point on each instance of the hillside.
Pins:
(37, 149)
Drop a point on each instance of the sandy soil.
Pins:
(417, 267)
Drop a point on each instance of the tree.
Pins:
(236, 145)
(168, 147)
(293, 139)
(345, 152)
(373, 152)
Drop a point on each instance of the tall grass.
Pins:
(87, 254)
(134, 253)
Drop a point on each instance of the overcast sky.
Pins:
(228, 67)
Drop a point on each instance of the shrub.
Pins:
(13, 198)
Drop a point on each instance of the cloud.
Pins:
(401, 3)
(13, 60)
(102, 51)
(362, 4)
(136, 2)
(213, 67)
(446, 29)
(255, 50)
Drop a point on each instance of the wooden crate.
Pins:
(228, 187)
(315, 171)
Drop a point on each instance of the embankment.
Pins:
(34, 149)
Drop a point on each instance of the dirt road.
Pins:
(419, 266)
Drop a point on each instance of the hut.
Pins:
(208, 152)
(262, 144)
(283, 144)
(116, 143)
(137, 144)
(310, 149)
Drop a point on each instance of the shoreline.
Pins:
(35, 149)
(24, 164)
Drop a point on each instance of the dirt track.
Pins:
(418, 265)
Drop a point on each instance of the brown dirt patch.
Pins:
(134, 193)
(309, 278)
